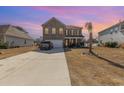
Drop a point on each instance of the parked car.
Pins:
(46, 45)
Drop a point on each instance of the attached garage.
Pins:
(57, 43)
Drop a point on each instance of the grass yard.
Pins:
(114, 54)
(4, 53)
(90, 70)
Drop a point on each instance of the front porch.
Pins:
(73, 42)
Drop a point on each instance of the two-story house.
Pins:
(62, 35)
(15, 36)
(115, 33)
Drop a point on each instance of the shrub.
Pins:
(3, 45)
(107, 44)
(111, 44)
(114, 44)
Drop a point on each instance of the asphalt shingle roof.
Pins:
(15, 31)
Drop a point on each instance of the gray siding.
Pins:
(15, 41)
(54, 23)
(1, 38)
(112, 34)
(109, 31)
(50, 36)
(72, 35)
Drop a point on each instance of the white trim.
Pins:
(57, 43)
(73, 37)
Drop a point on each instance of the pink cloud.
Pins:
(105, 16)
(33, 28)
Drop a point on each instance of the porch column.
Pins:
(76, 41)
(69, 42)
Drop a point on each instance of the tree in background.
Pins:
(89, 27)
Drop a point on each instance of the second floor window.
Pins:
(66, 32)
(46, 31)
(60, 31)
(72, 32)
(78, 32)
(53, 30)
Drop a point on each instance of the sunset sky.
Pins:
(30, 18)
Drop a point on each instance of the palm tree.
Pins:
(89, 27)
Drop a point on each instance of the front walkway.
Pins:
(35, 68)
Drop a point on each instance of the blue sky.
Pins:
(31, 18)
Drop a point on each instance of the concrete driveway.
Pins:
(35, 68)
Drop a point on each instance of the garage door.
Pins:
(57, 43)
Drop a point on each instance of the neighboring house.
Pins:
(114, 33)
(62, 35)
(14, 36)
(39, 40)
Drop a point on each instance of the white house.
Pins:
(114, 33)
(14, 36)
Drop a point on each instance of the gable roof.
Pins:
(107, 29)
(4, 28)
(20, 28)
(53, 19)
(14, 31)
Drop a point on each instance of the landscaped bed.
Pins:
(90, 70)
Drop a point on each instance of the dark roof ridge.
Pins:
(53, 18)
